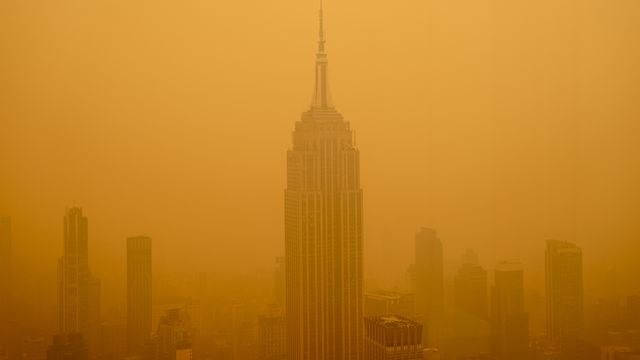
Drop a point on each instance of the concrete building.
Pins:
(429, 284)
(392, 337)
(323, 232)
(509, 321)
(564, 293)
(139, 308)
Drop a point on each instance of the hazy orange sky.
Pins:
(501, 123)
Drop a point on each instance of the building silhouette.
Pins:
(471, 328)
(323, 232)
(5, 283)
(470, 289)
(173, 336)
(272, 339)
(279, 286)
(78, 290)
(565, 318)
(429, 284)
(74, 275)
(509, 321)
(139, 308)
(70, 346)
(392, 337)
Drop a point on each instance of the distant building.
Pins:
(5, 283)
(74, 275)
(244, 341)
(470, 289)
(509, 321)
(78, 291)
(94, 320)
(565, 319)
(272, 336)
(139, 310)
(619, 353)
(279, 286)
(471, 327)
(70, 346)
(392, 337)
(428, 284)
(382, 302)
(633, 312)
(172, 335)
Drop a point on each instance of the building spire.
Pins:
(321, 40)
(321, 96)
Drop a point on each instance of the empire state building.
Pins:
(323, 232)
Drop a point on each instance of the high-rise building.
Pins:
(565, 319)
(74, 275)
(138, 293)
(429, 284)
(323, 232)
(471, 327)
(94, 319)
(470, 290)
(392, 337)
(509, 321)
(5, 282)
(78, 290)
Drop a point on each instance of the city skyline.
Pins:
(498, 162)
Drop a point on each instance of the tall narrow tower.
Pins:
(73, 275)
(323, 232)
(138, 293)
(565, 318)
(429, 285)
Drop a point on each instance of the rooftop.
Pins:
(392, 321)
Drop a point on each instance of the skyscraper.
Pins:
(138, 293)
(509, 321)
(470, 290)
(565, 322)
(5, 281)
(429, 284)
(323, 232)
(471, 326)
(73, 275)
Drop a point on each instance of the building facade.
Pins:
(323, 232)
(565, 318)
(272, 340)
(74, 275)
(429, 284)
(392, 337)
(139, 294)
(509, 321)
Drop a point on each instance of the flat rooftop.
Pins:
(392, 321)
